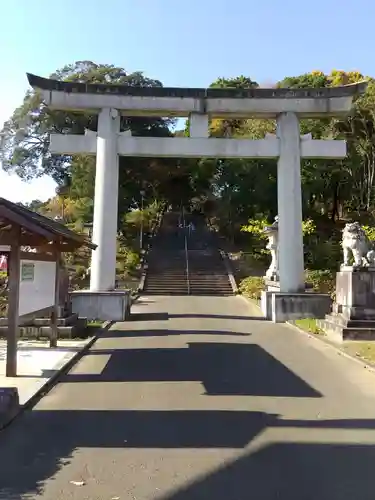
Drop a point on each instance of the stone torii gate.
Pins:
(287, 106)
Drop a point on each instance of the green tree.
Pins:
(328, 184)
(26, 140)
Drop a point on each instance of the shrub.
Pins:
(252, 287)
(145, 218)
(322, 253)
(128, 261)
(132, 261)
(78, 277)
(323, 281)
(309, 325)
(370, 232)
(257, 226)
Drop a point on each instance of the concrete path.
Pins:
(36, 364)
(194, 399)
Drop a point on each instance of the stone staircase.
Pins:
(168, 272)
(342, 328)
(207, 274)
(166, 261)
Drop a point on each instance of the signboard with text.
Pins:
(27, 271)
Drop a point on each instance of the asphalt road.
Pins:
(194, 399)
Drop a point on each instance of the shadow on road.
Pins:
(170, 333)
(159, 316)
(164, 316)
(40, 443)
(225, 369)
(217, 316)
(290, 471)
(142, 302)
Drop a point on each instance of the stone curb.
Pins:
(368, 366)
(250, 302)
(61, 368)
(134, 298)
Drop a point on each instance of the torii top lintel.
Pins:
(216, 102)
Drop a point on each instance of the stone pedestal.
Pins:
(280, 306)
(353, 313)
(293, 306)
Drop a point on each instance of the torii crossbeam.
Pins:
(195, 147)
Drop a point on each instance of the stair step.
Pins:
(185, 293)
(166, 272)
(351, 323)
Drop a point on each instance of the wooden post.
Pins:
(55, 309)
(13, 302)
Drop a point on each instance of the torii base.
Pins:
(279, 307)
(113, 305)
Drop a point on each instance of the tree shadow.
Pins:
(42, 442)
(142, 302)
(290, 471)
(224, 369)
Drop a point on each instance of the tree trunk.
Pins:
(336, 202)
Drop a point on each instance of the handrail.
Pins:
(187, 264)
(143, 261)
(229, 270)
(186, 251)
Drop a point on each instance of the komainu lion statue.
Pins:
(355, 243)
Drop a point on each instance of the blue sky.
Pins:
(188, 44)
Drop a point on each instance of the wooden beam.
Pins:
(55, 308)
(24, 240)
(13, 304)
(69, 247)
(29, 225)
(38, 256)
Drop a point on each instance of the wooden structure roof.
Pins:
(36, 230)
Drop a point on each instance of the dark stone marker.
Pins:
(9, 404)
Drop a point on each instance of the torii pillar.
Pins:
(103, 262)
(289, 202)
